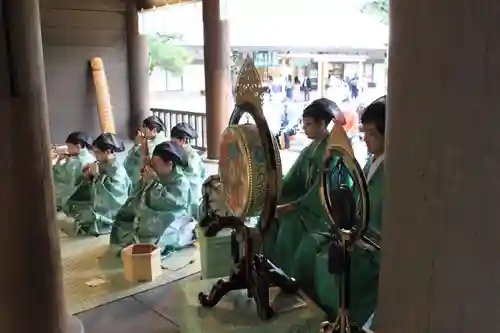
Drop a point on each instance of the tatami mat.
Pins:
(93, 276)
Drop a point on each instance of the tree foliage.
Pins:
(166, 54)
(237, 60)
(379, 8)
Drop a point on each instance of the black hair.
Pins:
(154, 122)
(81, 139)
(109, 141)
(375, 114)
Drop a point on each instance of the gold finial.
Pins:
(249, 87)
(338, 137)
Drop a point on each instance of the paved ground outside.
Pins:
(273, 109)
(195, 102)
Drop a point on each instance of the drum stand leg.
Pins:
(342, 323)
(255, 273)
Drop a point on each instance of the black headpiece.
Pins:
(154, 122)
(183, 130)
(171, 151)
(80, 138)
(109, 141)
(321, 109)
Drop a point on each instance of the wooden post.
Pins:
(440, 272)
(31, 282)
(218, 90)
(138, 59)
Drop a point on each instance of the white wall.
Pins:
(194, 78)
(158, 80)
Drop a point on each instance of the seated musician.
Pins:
(182, 133)
(103, 188)
(300, 211)
(153, 130)
(68, 166)
(158, 213)
(365, 260)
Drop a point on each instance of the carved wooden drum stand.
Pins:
(344, 192)
(250, 174)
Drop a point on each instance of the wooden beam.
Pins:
(441, 234)
(138, 78)
(94, 5)
(150, 4)
(31, 288)
(218, 89)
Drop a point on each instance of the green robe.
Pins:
(66, 175)
(135, 158)
(364, 263)
(301, 188)
(95, 203)
(195, 173)
(158, 213)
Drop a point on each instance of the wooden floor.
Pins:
(153, 311)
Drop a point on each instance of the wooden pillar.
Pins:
(218, 92)
(138, 71)
(440, 269)
(31, 297)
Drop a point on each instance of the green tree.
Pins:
(237, 60)
(379, 8)
(166, 54)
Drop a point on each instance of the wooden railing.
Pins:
(196, 119)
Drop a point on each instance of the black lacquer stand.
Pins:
(339, 257)
(253, 272)
(342, 323)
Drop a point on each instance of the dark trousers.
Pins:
(307, 94)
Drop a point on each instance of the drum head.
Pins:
(249, 163)
(250, 166)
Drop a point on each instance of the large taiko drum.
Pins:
(242, 169)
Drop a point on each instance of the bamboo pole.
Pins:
(104, 107)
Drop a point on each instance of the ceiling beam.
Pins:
(150, 4)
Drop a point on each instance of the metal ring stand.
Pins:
(348, 216)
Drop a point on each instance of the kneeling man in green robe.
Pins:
(183, 133)
(300, 211)
(103, 187)
(159, 211)
(153, 130)
(365, 260)
(68, 168)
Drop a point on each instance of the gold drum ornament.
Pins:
(242, 169)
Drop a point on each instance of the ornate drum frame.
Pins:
(251, 271)
(249, 100)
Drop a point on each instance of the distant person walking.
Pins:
(306, 88)
(296, 89)
(289, 87)
(354, 86)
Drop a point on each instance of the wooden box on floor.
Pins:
(141, 262)
(235, 313)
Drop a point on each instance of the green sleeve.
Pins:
(170, 197)
(163, 205)
(110, 193)
(311, 201)
(293, 182)
(65, 179)
(134, 162)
